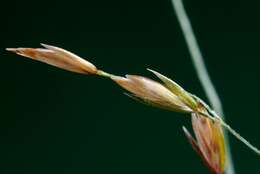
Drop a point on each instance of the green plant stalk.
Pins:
(202, 72)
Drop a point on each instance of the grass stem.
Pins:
(202, 72)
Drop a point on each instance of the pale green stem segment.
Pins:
(257, 151)
(104, 74)
(232, 131)
(202, 72)
(215, 117)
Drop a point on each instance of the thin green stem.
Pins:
(104, 74)
(238, 136)
(231, 130)
(215, 117)
(201, 70)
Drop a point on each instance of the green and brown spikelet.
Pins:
(207, 125)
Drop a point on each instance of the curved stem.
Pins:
(201, 70)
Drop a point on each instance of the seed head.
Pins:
(57, 57)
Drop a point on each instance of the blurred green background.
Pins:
(53, 121)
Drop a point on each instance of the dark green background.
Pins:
(53, 121)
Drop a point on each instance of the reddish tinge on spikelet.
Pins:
(210, 142)
(57, 57)
(151, 92)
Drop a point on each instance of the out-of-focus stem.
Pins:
(218, 119)
(202, 72)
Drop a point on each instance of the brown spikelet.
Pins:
(151, 92)
(210, 142)
(57, 57)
